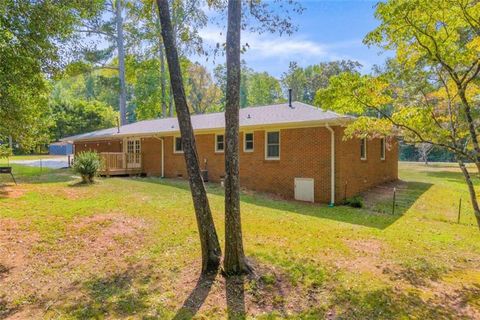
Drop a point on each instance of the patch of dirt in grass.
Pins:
(39, 271)
(366, 256)
(266, 290)
(464, 299)
(12, 192)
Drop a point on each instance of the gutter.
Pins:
(332, 165)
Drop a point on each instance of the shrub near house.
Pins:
(87, 165)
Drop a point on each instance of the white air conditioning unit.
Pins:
(304, 189)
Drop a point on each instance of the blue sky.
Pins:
(327, 30)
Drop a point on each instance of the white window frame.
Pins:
(382, 149)
(175, 145)
(216, 143)
(245, 142)
(266, 145)
(365, 147)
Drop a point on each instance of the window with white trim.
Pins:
(178, 146)
(382, 149)
(248, 142)
(272, 145)
(363, 149)
(219, 143)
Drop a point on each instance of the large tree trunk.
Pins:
(234, 262)
(211, 252)
(471, 190)
(121, 62)
(171, 103)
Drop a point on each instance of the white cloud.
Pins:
(295, 47)
(272, 53)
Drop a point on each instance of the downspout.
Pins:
(163, 159)
(332, 165)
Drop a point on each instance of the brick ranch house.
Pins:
(292, 149)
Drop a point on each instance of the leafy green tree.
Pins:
(220, 75)
(76, 117)
(188, 17)
(202, 93)
(305, 82)
(31, 33)
(442, 38)
(256, 88)
(263, 89)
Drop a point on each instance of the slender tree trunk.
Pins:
(471, 190)
(121, 62)
(211, 252)
(163, 81)
(471, 126)
(161, 57)
(235, 262)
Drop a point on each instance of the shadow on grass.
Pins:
(235, 292)
(391, 303)
(235, 296)
(381, 198)
(116, 296)
(196, 298)
(364, 217)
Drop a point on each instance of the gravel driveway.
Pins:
(53, 163)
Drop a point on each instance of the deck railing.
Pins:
(120, 163)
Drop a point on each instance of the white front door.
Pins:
(133, 153)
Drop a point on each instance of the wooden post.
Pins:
(345, 195)
(459, 210)
(394, 195)
(106, 160)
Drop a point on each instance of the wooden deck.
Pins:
(119, 163)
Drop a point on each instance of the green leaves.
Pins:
(305, 82)
(31, 33)
(352, 93)
(5, 151)
(76, 116)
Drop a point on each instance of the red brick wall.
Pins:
(99, 146)
(152, 156)
(360, 175)
(304, 153)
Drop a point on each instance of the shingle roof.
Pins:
(278, 114)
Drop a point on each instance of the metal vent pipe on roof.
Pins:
(290, 98)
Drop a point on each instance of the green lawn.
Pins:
(128, 248)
